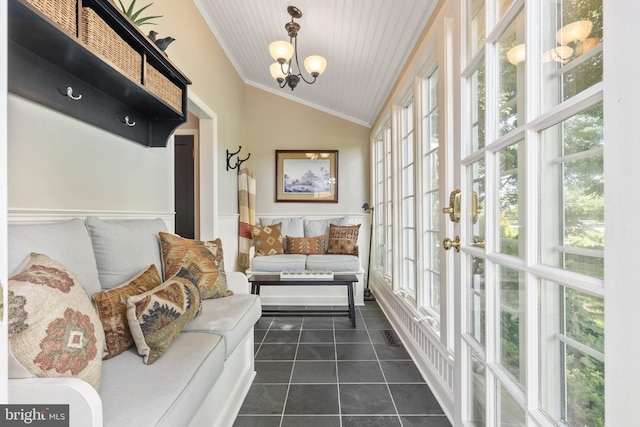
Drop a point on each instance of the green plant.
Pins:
(134, 15)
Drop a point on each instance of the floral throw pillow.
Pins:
(112, 309)
(343, 239)
(203, 260)
(268, 239)
(54, 331)
(305, 245)
(157, 316)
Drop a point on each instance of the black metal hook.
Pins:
(239, 161)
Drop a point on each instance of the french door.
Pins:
(531, 307)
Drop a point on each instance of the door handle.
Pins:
(476, 209)
(454, 206)
(447, 243)
(478, 242)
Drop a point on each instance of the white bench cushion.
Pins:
(67, 242)
(277, 263)
(231, 317)
(123, 248)
(331, 262)
(167, 392)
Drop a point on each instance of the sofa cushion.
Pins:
(336, 263)
(203, 260)
(53, 328)
(123, 248)
(157, 316)
(317, 227)
(277, 263)
(167, 393)
(305, 245)
(343, 240)
(267, 239)
(293, 227)
(67, 242)
(231, 317)
(112, 309)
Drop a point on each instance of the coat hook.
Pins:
(239, 161)
(70, 94)
(128, 122)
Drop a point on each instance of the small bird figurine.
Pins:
(152, 35)
(163, 43)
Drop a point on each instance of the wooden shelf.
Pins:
(44, 61)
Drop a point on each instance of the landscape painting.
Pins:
(306, 176)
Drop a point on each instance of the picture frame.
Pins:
(309, 176)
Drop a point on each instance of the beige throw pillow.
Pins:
(203, 260)
(54, 331)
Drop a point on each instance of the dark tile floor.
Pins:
(321, 372)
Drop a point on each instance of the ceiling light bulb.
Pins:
(276, 70)
(315, 65)
(516, 54)
(573, 32)
(281, 51)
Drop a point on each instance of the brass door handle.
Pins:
(478, 242)
(447, 243)
(476, 209)
(454, 206)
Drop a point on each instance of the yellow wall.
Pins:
(276, 123)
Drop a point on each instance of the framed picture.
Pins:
(307, 176)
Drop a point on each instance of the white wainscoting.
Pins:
(228, 233)
(27, 216)
(429, 355)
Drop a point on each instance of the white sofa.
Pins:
(203, 377)
(297, 226)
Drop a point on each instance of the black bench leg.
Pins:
(352, 309)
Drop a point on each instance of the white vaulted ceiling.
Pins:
(366, 44)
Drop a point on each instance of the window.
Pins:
(383, 219)
(408, 197)
(430, 206)
(572, 176)
(510, 187)
(544, 240)
(572, 330)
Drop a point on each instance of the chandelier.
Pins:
(284, 53)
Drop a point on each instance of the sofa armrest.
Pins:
(237, 282)
(252, 252)
(85, 406)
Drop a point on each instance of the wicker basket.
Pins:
(109, 46)
(62, 12)
(163, 88)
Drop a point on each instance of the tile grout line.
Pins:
(384, 376)
(335, 353)
(293, 366)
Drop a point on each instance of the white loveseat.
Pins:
(202, 378)
(298, 226)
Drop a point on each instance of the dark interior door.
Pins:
(184, 182)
